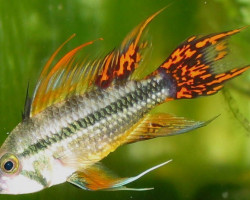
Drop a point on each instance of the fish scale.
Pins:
(129, 116)
(129, 108)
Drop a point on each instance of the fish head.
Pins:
(13, 179)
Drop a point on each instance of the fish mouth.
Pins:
(3, 190)
(3, 187)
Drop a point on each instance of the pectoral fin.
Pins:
(98, 178)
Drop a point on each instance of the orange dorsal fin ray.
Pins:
(48, 64)
(57, 82)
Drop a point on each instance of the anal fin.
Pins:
(98, 178)
(160, 125)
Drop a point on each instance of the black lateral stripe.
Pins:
(141, 93)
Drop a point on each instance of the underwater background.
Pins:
(209, 163)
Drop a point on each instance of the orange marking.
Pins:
(126, 62)
(167, 64)
(218, 87)
(219, 75)
(199, 55)
(176, 56)
(191, 39)
(205, 76)
(169, 99)
(184, 70)
(210, 92)
(138, 57)
(221, 46)
(201, 43)
(182, 92)
(189, 53)
(223, 77)
(214, 39)
(95, 181)
(104, 75)
(221, 55)
(219, 36)
(121, 66)
(196, 73)
(128, 55)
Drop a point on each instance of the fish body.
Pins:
(82, 111)
(97, 123)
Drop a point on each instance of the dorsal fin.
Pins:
(59, 82)
(121, 63)
(69, 77)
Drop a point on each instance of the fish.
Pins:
(83, 109)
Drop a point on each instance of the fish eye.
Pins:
(9, 163)
(8, 166)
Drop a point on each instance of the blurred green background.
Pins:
(210, 163)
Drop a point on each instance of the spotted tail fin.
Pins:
(191, 67)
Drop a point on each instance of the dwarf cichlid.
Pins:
(81, 110)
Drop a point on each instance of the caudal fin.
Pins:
(191, 67)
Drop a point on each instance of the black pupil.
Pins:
(8, 165)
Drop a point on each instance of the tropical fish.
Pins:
(82, 110)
